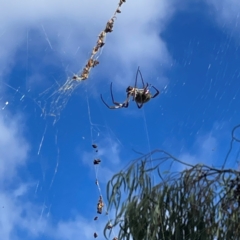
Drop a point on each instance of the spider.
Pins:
(140, 96)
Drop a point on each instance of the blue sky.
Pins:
(189, 51)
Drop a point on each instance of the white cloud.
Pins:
(136, 40)
(13, 154)
(78, 228)
(204, 151)
(18, 212)
(70, 28)
(227, 13)
(13, 147)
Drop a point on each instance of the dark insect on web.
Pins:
(96, 161)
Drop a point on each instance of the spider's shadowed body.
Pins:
(139, 95)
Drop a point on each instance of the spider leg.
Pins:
(157, 92)
(139, 105)
(146, 88)
(138, 71)
(125, 104)
(110, 107)
(112, 94)
(118, 105)
(135, 85)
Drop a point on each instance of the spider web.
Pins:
(49, 102)
(61, 94)
(61, 154)
(22, 97)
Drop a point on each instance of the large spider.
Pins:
(140, 96)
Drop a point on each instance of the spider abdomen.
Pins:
(142, 97)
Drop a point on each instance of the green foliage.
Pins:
(197, 203)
